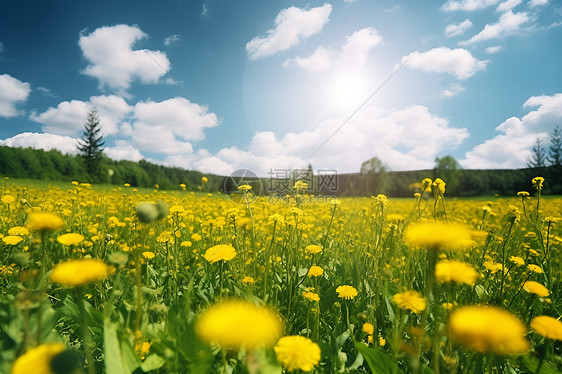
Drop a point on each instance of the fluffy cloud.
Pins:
(458, 62)
(467, 5)
(403, 139)
(511, 148)
(494, 49)
(455, 30)
(354, 53)
(453, 90)
(508, 23)
(123, 150)
(535, 3)
(172, 39)
(112, 60)
(508, 5)
(64, 144)
(68, 117)
(12, 91)
(158, 125)
(291, 26)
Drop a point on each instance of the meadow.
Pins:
(124, 280)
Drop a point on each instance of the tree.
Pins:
(447, 168)
(538, 155)
(374, 176)
(90, 146)
(555, 149)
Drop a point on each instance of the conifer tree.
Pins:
(91, 144)
(555, 148)
(538, 155)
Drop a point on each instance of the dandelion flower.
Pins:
(436, 235)
(248, 280)
(300, 185)
(315, 271)
(517, 260)
(44, 221)
(410, 300)
(538, 182)
(455, 271)
(220, 252)
(148, 255)
(297, 353)
(368, 328)
(535, 268)
(79, 272)
(311, 296)
(12, 239)
(70, 239)
(488, 329)
(346, 292)
(244, 187)
(548, 327)
(19, 231)
(37, 360)
(313, 249)
(204, 179)
(536, 288)
(239, 324)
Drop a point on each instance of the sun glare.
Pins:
(347, 90)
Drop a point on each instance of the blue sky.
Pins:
(219, 85)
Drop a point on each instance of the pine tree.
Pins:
(90, 146)
(538, 155)
(555, 149)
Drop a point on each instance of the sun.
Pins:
(347, 90)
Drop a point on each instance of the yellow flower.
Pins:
(164, 237)
(517, 260)
(244, 187)
(439, 185)
(455, 271)
(488, 329)
(148, 255)
(410, 300)
(395, 217)
(204, 179)
(70, 239)
(535, 268)
(382, 341)
(196, 237)
(522, 193)
(300, 185)
(313, 249)
(368, 328)
(220, 252)
(297, 353)
(538, 182)
(536, 288)
(311, 296)
(346, 292)
(44, 221)
(239, 324)
(37, 360)
(315, 271)
(12, 240)
(248, 280)
(492, 267)
(436, 235)
(8, 199)
(548, 327)
(18, 230)
(79, 272)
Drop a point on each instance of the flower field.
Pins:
(122, 281)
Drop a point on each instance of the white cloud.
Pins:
(494, 49)
(354, 53)
(349, 1)
(453, 90)
(123, 150)
(458, 62)
(455, 30)
(535, 3)
(157, 125)
(511, 148)
(64, 144)
(112, 60)
(68, 117)
(319, 60)
(395, 8)
(404, 139)
(508, 23)
(508, 5)
(205, 10)
(12, 91)
(172, 39)
(467, 5)
(292, 25)
(1, 47)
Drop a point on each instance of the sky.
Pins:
(217, 85)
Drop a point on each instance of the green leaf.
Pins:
(378, 362)
(532, 363)
(152, 362)
(115, 362)
(390, 309)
